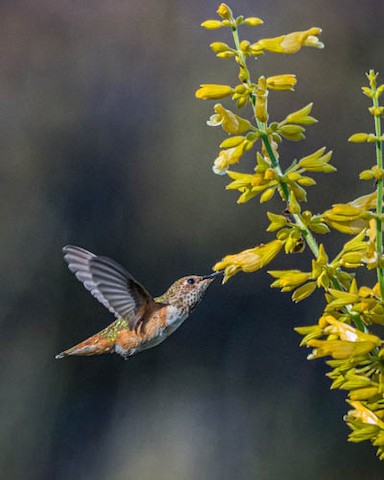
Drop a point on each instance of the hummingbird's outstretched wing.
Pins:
(110, 283)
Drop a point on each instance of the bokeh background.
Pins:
(104, 145)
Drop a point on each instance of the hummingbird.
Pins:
(142, 321)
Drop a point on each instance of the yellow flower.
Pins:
(249, 260)
(365, 202)
(338, 349)
(281, 82)
(211, 91)
(346, 218)
(364, 415)
(301, 117)
(224, 12)
(230, 122)
(351, 217)
(317, 162)
(291, 42)
(262, 107)
(226, 158)
(346, 332)
(288, 279)
(277, 222)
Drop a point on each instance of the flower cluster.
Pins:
(357, 368)
(357, 356)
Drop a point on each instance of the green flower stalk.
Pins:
(342, 332)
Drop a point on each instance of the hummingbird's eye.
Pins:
(191, 281)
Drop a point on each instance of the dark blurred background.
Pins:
(104, 145)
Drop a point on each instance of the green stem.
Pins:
(379, 201)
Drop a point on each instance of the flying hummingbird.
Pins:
(142, 322)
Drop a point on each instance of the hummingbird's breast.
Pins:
(161, 323)
(175, 317)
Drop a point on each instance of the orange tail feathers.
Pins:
(95, 345)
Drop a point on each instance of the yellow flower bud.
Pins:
(218, 47)
(367, 91)
(212, 91)
(376, 111)
(303, 292)
(261, 107)
(224, 12)
(232, 142)
(363, 393)
(293, 206)
(294, 133)
(358, 137)
(352, 257)
(379, 91)
(224, 55)
(244, 45)
(306, 181)
(267, 194)
(367, 175)
(252, 21)
(277, 222)
(212, 24)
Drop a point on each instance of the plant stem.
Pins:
(379, 201)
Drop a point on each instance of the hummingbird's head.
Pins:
(187, 292)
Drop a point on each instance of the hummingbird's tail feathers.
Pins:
(94, 345)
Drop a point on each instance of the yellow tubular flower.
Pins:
(288, 279)
(317, 162)
(301, 117)
(261, 107)
(364, 415)
(262, 100)
(338, 349)
(281, 82)
(292, 42)
(249, 260)
(229, 121)
(346, 217)
(347, 332)
(211, 91)
(229, 157)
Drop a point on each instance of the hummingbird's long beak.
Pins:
(213, 275)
